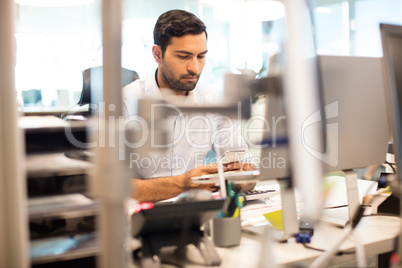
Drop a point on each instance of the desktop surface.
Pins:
(251, 253)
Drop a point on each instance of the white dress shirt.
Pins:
(189, 137)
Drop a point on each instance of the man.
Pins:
(180, 49)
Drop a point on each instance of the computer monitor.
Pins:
(391, 36)
(357, 131)
(356, 128)
(357, 119)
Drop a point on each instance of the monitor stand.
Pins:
(352, 192)
(153, 242)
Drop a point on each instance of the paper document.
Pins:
(337, 196)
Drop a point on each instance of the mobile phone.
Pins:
(233, 156)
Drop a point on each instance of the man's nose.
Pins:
(194, 66)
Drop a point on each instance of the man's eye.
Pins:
(182, 57)
(201, 56)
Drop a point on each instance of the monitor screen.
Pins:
(357, 120)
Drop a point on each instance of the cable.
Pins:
(391, 165)
(335, 207)
(339, 253)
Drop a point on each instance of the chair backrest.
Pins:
(92, 86)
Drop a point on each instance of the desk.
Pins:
(376, 233)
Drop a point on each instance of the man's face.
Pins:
(183, 61)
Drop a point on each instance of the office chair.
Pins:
(92, 89)
(92, 86)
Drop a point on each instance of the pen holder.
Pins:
(226, 232)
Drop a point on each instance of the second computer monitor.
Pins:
(357, 126)
(391, 36)
(356, 110)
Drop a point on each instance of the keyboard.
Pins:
(259, 194)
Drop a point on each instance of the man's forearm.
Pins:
(156, 189)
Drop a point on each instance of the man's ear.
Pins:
(157, 53)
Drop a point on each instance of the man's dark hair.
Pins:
(176, 23)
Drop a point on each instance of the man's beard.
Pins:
(177, 84)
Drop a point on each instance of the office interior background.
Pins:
(57, 39)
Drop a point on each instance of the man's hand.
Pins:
(157, 189)
(200, 171)
(239, 166)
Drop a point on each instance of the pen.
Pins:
(233, 202)
(236, 213)
(236, 201)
